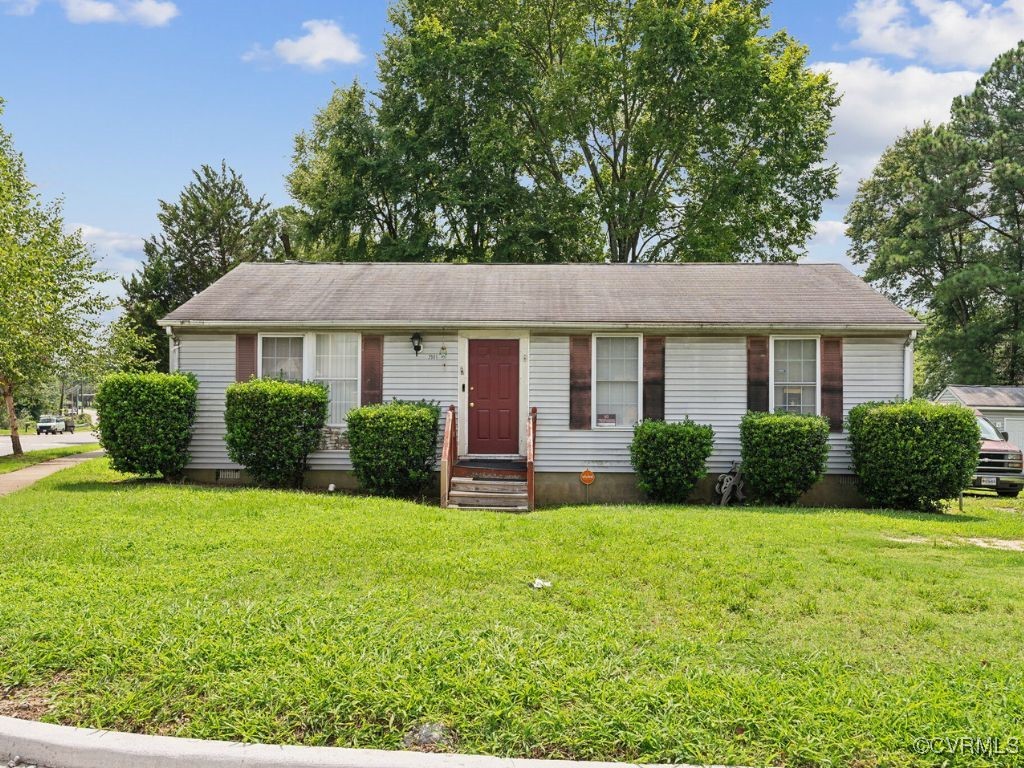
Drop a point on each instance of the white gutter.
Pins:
(535, 325)
(908, 366)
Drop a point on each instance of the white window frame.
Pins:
(639, 379)
(771, 369)
(309, 358)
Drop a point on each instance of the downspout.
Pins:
(908, 366)
(172, 358)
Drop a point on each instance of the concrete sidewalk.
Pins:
(22, 478)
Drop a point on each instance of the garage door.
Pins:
(1015, 429)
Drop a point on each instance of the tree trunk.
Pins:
(13, 418)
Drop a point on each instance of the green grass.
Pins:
(742, 635)
(27, 459)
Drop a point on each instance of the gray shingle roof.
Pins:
(739, 295)
(989, 397)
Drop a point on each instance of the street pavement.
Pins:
(35, 442)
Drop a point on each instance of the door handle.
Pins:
(472, 404)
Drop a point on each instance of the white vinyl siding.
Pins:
(427, 376)
(872, 370)
(560, 449)
(706, 379)
(212, 360)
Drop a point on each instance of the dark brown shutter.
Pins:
(757, 373)
(245, 356)
(579, 382)
(372, 384)
(654, 377)
(832, 382)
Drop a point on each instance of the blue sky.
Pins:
(113, 102)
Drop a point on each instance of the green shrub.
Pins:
(669, 459)
(913, 455)
(782, 454)
(393, 446)
(145, 421)
(273, 426)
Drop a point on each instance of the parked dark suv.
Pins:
(1000, 467)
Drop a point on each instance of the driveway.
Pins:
(38, 442)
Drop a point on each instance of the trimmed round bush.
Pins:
(782, 455)
(670, 458)
(145, 421)
(393, 446)
(273, 426)
(913, 455)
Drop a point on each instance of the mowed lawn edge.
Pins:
(13, 463)
(739, 636)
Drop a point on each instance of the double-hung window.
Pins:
(281, 358)
(329, 358)
(617, 388)
(337, 367)
(795, 375)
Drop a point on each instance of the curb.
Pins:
(61, 746)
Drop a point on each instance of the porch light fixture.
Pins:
(417, 343)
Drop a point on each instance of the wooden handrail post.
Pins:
(448, 451)
(531, 450)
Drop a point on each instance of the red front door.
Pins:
(494, 396)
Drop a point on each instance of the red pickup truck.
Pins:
(1000, 467)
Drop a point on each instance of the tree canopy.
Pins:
(939, 226)
(49, 297)
(214, 225)
(570, 130)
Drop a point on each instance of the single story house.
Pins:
(1003, 406)
(594, 348)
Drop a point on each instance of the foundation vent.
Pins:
(229, 475)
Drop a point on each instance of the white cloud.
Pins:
(828, 232)
(19, 7)
(323, 44)
(946, 33)
(151, 13)
(118, 252)
(879, 104)
(91, 11)
(146, 13)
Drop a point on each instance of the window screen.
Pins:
(617, 384)
(282, 358)
(337, 366)
(796, 375)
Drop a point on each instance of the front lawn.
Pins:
(27, 459)
(749, 636)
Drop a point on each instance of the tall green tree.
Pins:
(49, 297)
(572, 129)
(214, 225)
(939, 226)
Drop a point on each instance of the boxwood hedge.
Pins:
(393, 446)
(145, 421)
(273, 426)
(670, 458)
(782, 455)
(913, 455)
